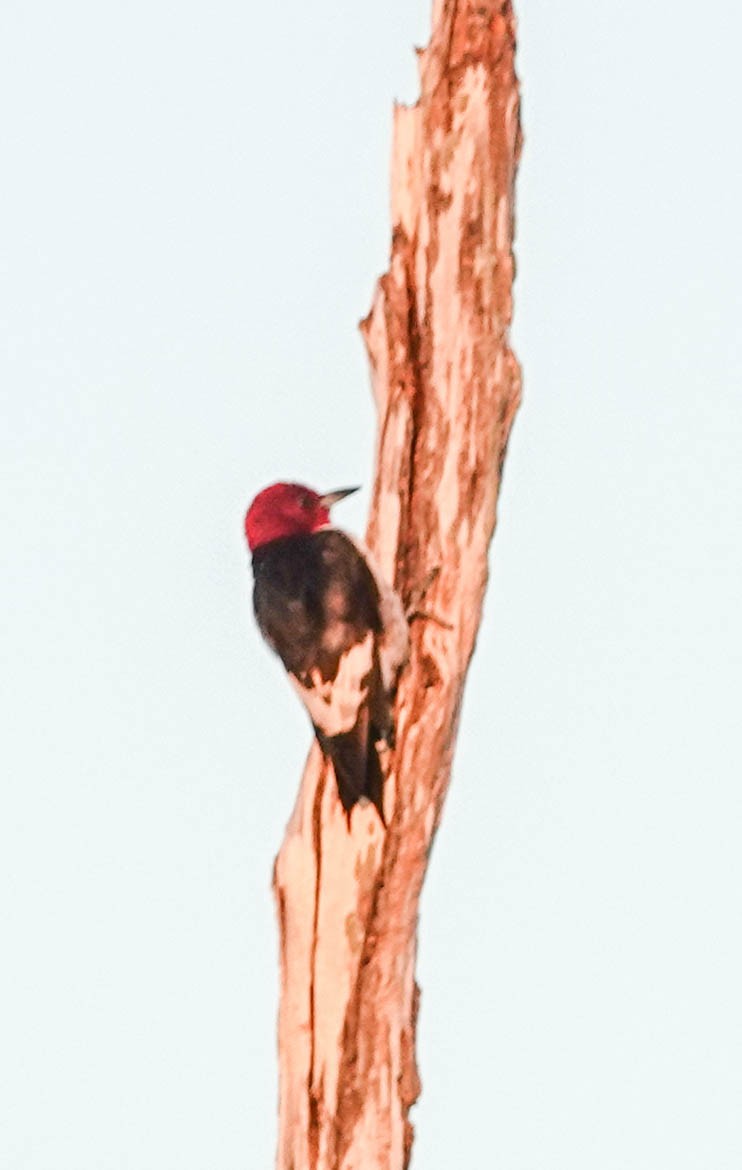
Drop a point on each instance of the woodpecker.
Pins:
(338, 627)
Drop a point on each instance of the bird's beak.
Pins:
(331, 498)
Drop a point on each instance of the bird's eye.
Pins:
(306, 503)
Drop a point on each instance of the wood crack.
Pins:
(313, 1091)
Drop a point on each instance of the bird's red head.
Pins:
(288, 509)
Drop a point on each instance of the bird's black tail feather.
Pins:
(357, 767)
(375, 780)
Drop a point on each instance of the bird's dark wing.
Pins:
(315, 598)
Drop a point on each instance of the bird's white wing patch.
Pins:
(334, 706)
(394, 643)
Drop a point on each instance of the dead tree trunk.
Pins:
(447, 387)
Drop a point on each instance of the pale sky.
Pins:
(194, 210)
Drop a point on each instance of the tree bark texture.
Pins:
(447, 387)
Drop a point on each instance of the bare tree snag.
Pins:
(447, 387)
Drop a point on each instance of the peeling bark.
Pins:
(447, 387)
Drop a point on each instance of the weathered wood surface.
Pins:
(447, 387)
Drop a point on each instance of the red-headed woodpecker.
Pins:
(338, 628)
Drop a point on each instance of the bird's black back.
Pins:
(314, 598)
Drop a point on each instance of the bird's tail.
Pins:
(375, 780)
(357, 768)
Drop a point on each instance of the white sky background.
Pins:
(194, 211)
